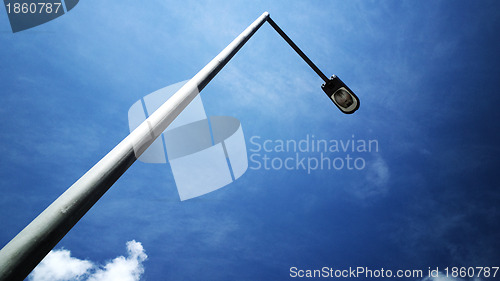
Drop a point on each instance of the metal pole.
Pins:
(23, 253)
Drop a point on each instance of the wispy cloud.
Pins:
(377, 176)
(378, 172)
(58, 265)
(444, 278)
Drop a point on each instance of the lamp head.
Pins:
(341, 95)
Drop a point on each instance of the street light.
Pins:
(343, 97)
(23, 253)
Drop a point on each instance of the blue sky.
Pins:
(426, 73)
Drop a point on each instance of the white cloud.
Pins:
(121, 268)
(58, 265)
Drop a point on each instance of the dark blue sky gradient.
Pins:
(426, 72)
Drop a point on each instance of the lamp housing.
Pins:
(343, 97)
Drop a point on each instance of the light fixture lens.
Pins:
(341, 95)
(343, 98)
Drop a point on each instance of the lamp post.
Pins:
(23, 253)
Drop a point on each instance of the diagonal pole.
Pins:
(25, 251)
